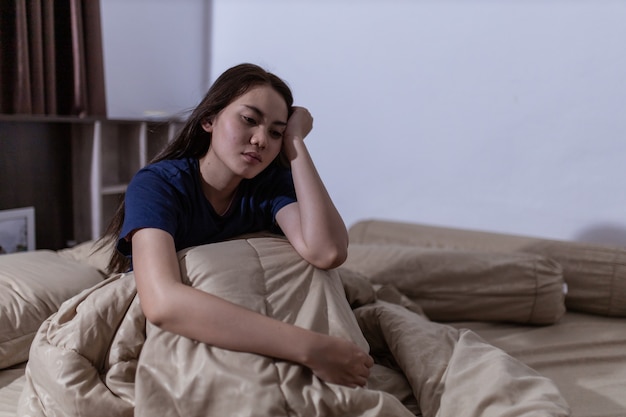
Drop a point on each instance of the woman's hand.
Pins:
(299, 125)
(339, 361)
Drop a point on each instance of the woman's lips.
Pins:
(252, 157)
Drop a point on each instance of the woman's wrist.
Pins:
(291, 145)
(308, 346)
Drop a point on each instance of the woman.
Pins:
(222, 177)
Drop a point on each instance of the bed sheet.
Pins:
(584, 354)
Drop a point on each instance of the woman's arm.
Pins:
(184, 310)
(312, 224)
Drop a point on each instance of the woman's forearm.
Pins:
(215, 321)
(193, 313)
(320, 218)
(320, 233)
(212, 320)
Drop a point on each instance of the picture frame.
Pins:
(17, 230)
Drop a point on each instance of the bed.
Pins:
(460, 323)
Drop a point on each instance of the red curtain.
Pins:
(51, 58)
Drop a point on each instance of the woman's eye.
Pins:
(249, 120)
(276, 134)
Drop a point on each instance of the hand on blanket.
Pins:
(340, 361)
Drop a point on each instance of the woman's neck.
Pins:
(218, 186)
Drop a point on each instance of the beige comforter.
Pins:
(97, 356)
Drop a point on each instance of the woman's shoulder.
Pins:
(173, 165)
(172, 168)
(167, 174)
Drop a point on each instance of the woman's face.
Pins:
(246, 136)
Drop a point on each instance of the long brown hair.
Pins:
(193, 141)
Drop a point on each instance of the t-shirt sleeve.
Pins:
(286, 193)
(150, 202)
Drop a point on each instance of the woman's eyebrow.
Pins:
(262, 115)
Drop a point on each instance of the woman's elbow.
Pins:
(329, 258)
(157, 310)
(154, 315)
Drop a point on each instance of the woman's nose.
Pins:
(259, 139)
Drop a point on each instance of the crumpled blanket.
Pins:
(97, 356)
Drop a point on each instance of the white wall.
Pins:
(506, 116)
(498, 115)
(155, 56)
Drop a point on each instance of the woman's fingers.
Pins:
(341, 361)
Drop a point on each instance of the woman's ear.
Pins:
(207, 125)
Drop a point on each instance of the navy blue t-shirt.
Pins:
(168, 195)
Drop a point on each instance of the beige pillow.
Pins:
(452, 285)
(595, 274)
(90, 253)
(32, 286)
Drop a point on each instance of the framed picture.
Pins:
(17, 230)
